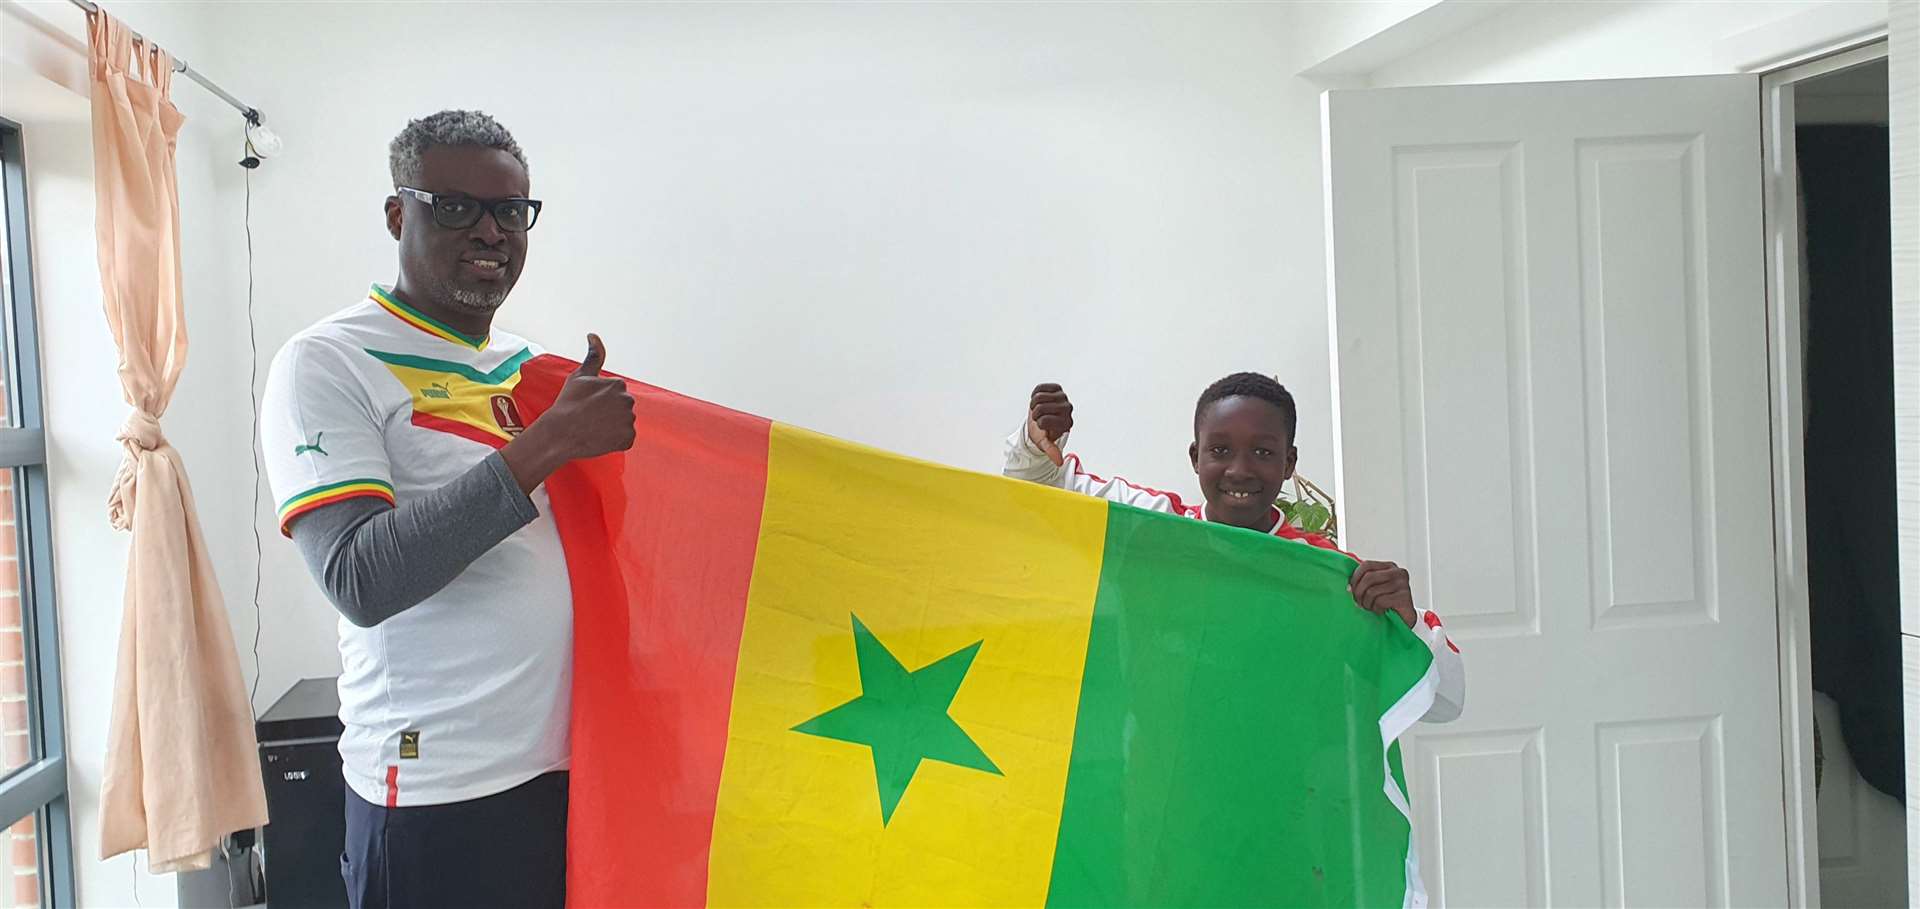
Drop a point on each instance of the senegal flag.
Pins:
(809, 673)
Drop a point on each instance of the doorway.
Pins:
(1546, 345)
(1852, 554)
(1552, 382)
(1830, 242)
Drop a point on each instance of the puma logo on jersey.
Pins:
(313, 446)
(437, 390)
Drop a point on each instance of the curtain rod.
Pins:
(180, 66)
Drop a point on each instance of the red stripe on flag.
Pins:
(653, 666)
(393, 785)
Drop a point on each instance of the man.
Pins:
(413, 492)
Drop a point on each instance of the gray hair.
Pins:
(448, 127)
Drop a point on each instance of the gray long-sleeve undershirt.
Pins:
(376, 560)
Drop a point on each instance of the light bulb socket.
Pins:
(264, 142)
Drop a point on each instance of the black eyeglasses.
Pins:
(459, 212)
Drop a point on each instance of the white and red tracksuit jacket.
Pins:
(1024, 461)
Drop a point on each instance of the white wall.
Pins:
(1589, 39)
(42, 85)
(1322, 28)
(885, 222)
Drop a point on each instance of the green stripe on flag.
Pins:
(1228, 749)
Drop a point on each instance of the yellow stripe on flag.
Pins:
(930, 561)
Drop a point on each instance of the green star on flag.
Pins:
(902, 716)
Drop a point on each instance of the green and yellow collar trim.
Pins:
(424, 322)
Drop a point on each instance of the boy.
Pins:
(1243, 453)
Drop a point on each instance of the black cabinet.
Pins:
(306, 798)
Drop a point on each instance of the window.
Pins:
(36, 853)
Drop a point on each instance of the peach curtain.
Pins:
(182, 767)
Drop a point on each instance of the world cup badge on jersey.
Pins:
(507, 415)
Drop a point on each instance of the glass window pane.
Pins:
(16, 743)
(26, 707)
(7, 408)
(20, 864)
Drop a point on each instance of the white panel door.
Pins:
(1550, 345)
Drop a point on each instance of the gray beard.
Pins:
(480, 302)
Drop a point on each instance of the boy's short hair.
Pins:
(1251, 385)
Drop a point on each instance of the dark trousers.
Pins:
(507, 850)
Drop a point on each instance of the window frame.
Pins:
(41, 787)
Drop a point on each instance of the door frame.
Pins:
(1786, 381)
